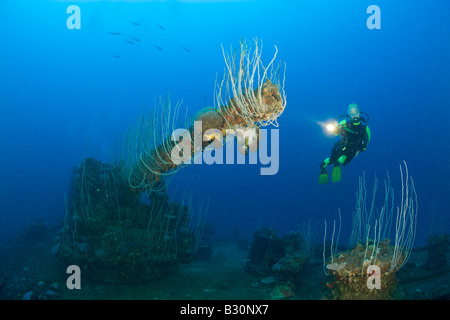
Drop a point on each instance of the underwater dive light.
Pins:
(332, 126)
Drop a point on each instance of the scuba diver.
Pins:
(354, 138)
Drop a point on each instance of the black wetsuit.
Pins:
(354, 138)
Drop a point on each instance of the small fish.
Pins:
(160, 26)
(135, 23)
(128, 41)
(268, 280)
(186, 49)
(135, 39)
(115, 56)
(114, 33)
(157, 47)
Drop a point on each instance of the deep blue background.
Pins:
(63, 97)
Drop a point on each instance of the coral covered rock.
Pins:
(115, 237)
(350, 280)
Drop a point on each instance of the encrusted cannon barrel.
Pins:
(248, 97)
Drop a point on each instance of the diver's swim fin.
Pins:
(336, 174)
(323, 177)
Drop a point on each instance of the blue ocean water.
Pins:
(66, 94)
